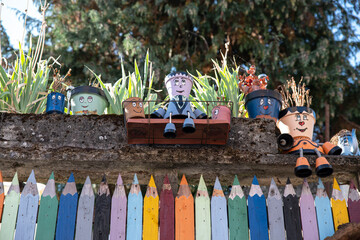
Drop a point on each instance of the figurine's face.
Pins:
(265, 105)
(134, 108)
(179, 85)
(85, 104)
(57, 99)
(221, 113)
(297, 124)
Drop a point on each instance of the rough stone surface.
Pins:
(94, 145)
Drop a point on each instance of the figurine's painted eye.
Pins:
(81, 99)
(90, 99)
(59, 97)
(298, 117)
(216, 112)
(269, 101)
(305, 117)
(53, 97)
(183, 82)
(176, 82)
(262, 101)
(134, 104)
(140, 104)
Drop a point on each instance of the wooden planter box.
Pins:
(150, 131)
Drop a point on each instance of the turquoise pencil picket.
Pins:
(257, 212)
(28, 208)
(47, 212)
(65, 227)
(219, 222)
(85, 212)
(12, 201)
(135, 207)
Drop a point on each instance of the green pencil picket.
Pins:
(47, 212)
(12, 201)
(202, 212)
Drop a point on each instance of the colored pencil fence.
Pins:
(198, 215)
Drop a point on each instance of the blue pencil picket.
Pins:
(257, 212)
(219, 222)
(65, 227)
(135, 207)
(29, 202)
(275, 212)
(85, 212)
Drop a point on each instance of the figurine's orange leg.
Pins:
(302, 168)
(323, 168)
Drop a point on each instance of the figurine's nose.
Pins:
(301, 123)
(266, 107)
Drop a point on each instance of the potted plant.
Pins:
(56, 98)
(259, 101)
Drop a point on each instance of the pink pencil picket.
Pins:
(308, 214)
(118, 211)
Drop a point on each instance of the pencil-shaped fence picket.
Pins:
(153, 216)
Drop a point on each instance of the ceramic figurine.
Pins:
(55, 103)
(56, 99)
(87, 100)
(133, 108)
(296, 124)
(178, 85)
(221, 113)
(259, 102)
(347, 141)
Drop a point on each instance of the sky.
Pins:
(14, 26)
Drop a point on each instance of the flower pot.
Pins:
(88, 100)
(221, 113)
(55, 103)
(134, 108)
(297, 121)
(263, 104)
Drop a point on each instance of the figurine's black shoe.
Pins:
(170, 131)
(188, 126)
(323, 168)
(302, 168)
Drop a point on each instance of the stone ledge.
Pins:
(94, 145)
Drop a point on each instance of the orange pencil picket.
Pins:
(2, 195)
(184, 212)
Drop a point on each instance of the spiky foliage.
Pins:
(295, 94)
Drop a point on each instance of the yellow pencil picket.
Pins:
(338, 204)
(151, 212)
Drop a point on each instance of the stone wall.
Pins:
(97, 145)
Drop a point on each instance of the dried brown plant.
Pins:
(295, 95)
(60, 83)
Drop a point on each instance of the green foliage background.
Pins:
(313, 39)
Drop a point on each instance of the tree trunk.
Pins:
(327, 121)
